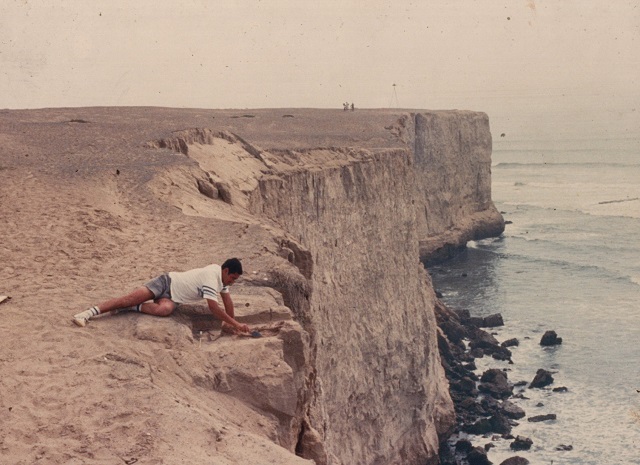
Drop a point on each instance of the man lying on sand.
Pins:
(161, 295)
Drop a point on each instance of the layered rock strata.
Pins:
(453, 167)
(380, 396)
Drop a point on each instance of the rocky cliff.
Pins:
(331, 213)
(453, 165)
(379, 395)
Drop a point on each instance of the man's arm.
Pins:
(228, 304)
(222, 315)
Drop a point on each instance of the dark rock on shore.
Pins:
(521, 443)
(538, 418)
(478, 456)
(480, 427)
(463, 316)
(500, 424)
(493, 321)
(495, 383)
(489, 345)
(481, 403)
(455, 331)
(515, 461)
(564, 447)
(464, 445)
(451, 323)
(543, 378)
(550, 338)
(511, 410)
(490, 321)
(510, 343)
(497, 423)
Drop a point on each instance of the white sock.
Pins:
(93, 311)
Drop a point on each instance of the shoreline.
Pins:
(483, 404)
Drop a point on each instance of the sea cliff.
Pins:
(331, 212)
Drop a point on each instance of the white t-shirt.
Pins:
(195, 285)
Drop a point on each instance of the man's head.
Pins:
(231, 271)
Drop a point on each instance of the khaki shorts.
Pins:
(160, 287)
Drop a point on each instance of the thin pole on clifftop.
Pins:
(394, 96)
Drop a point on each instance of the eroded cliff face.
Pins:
(453, 166)
(380, 395)
(355, 222)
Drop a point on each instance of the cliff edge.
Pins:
(330, 212)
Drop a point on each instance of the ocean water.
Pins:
(570, 262)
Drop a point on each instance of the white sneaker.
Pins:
(82, 318)
(80, 321)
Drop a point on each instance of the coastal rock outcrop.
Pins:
(515, 461)
(361, 335)
(521, 443)
(550, 338)
(453, 164)
(542, 379)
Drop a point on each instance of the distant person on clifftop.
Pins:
(161, 295)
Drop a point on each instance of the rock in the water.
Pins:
(550, 338)
(521, 443)
(482, 426)
(495, 383)
(511, 410)
(564, 447)
(515, 461)
(493, 321)
(463, 315)
(482, 340)
(543, 378)
(464, 445)
(500, 424)
(478, 456)
(538, 418)
(510, 343)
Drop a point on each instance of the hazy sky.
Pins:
(529, 64)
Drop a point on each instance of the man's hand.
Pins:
(234, 329)
(243, 328)
(225, 317)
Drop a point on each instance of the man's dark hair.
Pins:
(233, 265)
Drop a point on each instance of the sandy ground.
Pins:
(80, 221)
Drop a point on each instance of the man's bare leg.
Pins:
(140, 295)
(160, 307)
(133, 299)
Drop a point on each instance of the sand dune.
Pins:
(80, 222)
